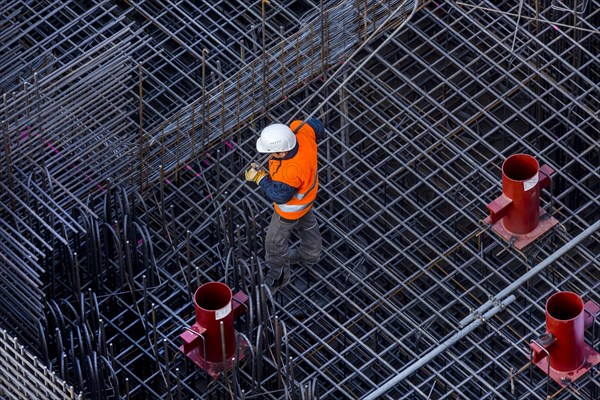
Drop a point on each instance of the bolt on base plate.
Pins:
(590, 359)
(523, 240)
(214, 369)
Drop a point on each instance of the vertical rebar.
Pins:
(278, 352)
(281, 32)
(365, 21)
(179, 389)
(77, 275)
(265, 61)
(177, 151)
(224, 353)
(322, 29)
(204, 113)
(252, 94)
(193, 132)
(167, 368)
(297, 59)
(141, 129)
(188, 253)
(162, 198)
(222, 112)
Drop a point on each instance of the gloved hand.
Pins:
(254, 174)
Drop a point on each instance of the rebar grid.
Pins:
(415, 145)
(20, 368)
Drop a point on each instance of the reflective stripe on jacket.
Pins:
(300, 172)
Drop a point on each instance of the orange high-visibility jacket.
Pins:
(300, 172)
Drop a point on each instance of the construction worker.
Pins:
(291, 184)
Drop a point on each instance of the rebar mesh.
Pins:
(20, 368)
(414, 151)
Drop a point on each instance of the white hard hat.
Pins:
(276, 138)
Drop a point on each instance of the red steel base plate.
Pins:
(564, 378)
(522, 240)
(215, 368)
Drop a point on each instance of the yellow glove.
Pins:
(254, 174)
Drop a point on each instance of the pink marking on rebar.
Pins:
(52, 147)
(228, 144)
(206, 162)
(23, 133)
(167, 181)
(194, 172)
(89, 179)
(97, 185)
(27, 132)
(555, 27)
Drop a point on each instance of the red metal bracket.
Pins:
(545, 174)
(541, 347)
(240, 304)
(499, 208)
(190, 339)
(591, 311)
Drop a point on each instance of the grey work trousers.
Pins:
(277, 247)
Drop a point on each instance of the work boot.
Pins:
(275, 284)
(295, 257)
